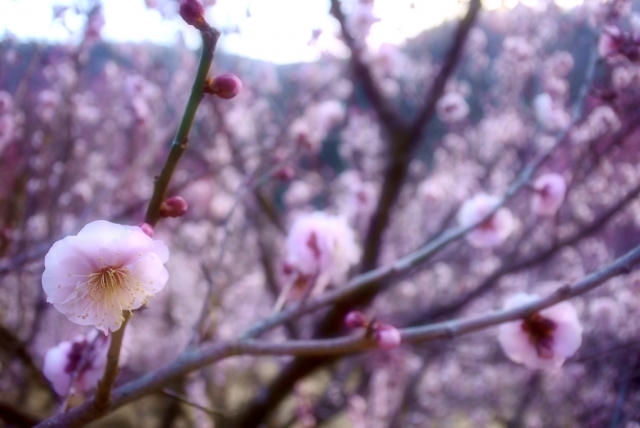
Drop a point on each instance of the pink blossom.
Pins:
(493, 231)
(549, 115)
(84, 357)
(452, 108)
(6, 102)
(549, 192)
(387, 336)
(322, 245)
(104, 270)
(543, 340)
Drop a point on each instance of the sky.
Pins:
(271, 30)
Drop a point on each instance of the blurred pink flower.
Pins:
(549, 115)
(452, 107)
(65, 360)
(322, 245)
(493, 231)
(543, 340)
(104, 270)
(550, 190)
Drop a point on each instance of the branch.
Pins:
(198, 358)
(103, 394)
(181, 140)
(389, 117)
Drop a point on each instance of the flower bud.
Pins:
(286, 173)
(175, 206)
(192, 12)
(387, 336)
(225, 86)
(355, 319)
(147, 229)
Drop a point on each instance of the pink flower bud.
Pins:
(225, 86)
(355, 319)
(147, 229)
(387, 336)
(286, 173)
(175, 206)
(192, 12)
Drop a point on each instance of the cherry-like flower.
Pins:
(104, 270)
(84, 358)
(543, 340)
(491, 232)
(323, 246)
(549, 191)
(452, 107)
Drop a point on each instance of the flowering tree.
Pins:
(439, 234)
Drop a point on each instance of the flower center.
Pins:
(107, 280)
(540, 330)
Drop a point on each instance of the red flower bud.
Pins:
(192, 12)
(175, 206)
(225, 86)
(355, 319)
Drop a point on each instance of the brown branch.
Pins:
(195, 359)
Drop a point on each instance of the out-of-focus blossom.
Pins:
(104, 270)
(518, 49)
(316, 122)
(601, 121)
(614, 42)
(387, 336)
(550, 116)
(559, 64)
(225, 86)
(362, 19)
(84, 357)
(549, 191)
(6, 102)
(452, 107)
(47, 105)
(321, 246)
(543, 340)
(493, 231)
(174, 206)
(8, 129)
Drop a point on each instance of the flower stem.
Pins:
(181, 141)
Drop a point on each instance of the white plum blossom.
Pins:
(321, 246)
(104, 270)
(84, 358)
(543, 340)
(549, 191)
(493, 231)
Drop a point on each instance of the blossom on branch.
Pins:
(543, 340)
(491, 232)
(322, 246)
(104, 270)
(550, 190)
(83, 359)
